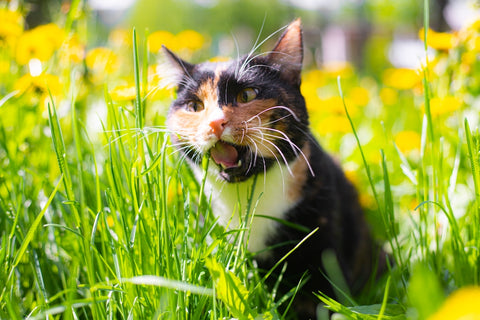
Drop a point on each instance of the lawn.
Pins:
(100, 218)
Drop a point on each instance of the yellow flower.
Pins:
(333, 124)
(11, 26)
(448, 104)
(41, 84)
(388, 96)
(408, 141)
(124, 93)
(102, 60)
(32, 46)
(120, 38)
(39, 43)
(334, 106)
(463, 304)
(157, 38)
(72, 49)
(315, 78)
(190, 39)
(359, 95)
(51, 33)
(401, 78)
(437, 40)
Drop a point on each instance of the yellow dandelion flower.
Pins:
(389, 96)
(359, 95)
(72, 49)
(463, 304)
(51, 33)
(333, 124)
(407, 141)
(437, 40)
(42, 84)
(124, 93)
(159, 38)
(11, 26)
(401, 78)
(334, 105)
(32, 45)
(120, 38)
(102, 60)
(314, 78)
(190, 39)
(440, 106)
(310, 95)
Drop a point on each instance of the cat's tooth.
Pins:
(223, 166)
(239, 163)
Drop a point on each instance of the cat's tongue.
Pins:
(224, 154)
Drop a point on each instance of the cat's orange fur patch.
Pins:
(300, 173)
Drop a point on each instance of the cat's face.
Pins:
(247, 114)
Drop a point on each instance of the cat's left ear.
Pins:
(288, 53)
(174, 69)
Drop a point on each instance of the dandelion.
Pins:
(407, 141)
(159, 38)
(72, 50)
(119, 38)
(440, 106)
(190, 40)
(32, 45)
(401, 78)
(124, 93)
(463, 304)
(333, 124)
(437, 40)
(102, 60)
(359, 95)
(42, 84)
(11, 26)
(335, 106)
(388, 96)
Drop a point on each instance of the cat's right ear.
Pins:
(173, 69)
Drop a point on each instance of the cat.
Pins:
(250, 117)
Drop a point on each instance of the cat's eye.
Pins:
(194, 106)
(247, 95)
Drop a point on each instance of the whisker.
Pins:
(296, 149)
(275, 107)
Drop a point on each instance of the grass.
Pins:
(114, 226)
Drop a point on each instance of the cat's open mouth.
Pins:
(232, 160)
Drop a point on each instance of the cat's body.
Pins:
(250, 117)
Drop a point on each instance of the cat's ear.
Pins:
(173, 69)
(288, 52)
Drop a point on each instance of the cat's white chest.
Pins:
(273, 196)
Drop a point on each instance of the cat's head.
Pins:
(247, 114)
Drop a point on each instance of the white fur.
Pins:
(230, 201)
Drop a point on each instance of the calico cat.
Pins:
(250, 117)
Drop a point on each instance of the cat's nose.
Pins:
(218, 126)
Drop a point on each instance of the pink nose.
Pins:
(217, 126)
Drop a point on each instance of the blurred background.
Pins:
(371, 34)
